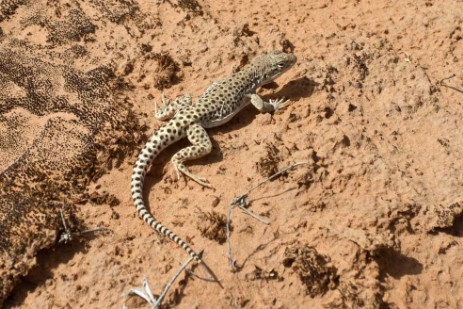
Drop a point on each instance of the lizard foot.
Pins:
(181, 168)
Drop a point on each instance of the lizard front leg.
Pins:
(265, 107)
(202, 145)
(169, 107)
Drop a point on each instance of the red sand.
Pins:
(372, 221)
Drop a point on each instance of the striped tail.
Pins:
(152, 148)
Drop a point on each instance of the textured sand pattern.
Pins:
(373, 220)
(56, 125)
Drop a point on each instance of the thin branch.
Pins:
(166, 289)
(193, 274)
(447, 78)
(143, 292)
(451, 87)
(94, 229)
(146, 293)
(241, 202)
(440, 83)
(255, 216)
(229, 249)
(433, 87)
(67, 235)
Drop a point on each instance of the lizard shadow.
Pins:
(294, 90)
(396, 264)
(455, 230)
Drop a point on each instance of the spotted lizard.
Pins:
(219, 103)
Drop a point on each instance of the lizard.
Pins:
(215, 107)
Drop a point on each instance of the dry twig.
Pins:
(433, 87)
(145, 291)
(242, 203)
(67, 235)
(440, 83)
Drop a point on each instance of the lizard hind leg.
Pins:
(202, 146)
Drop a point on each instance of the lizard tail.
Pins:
(152, 148)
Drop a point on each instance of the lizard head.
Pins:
(271, 65)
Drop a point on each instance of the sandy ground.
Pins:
(372, 219)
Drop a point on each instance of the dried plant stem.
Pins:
(241, 202)
(147, 295)
(169, 284)
(67, 235)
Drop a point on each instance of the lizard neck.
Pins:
(251, 77)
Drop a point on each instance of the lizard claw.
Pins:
(278, 103)
(202, 181)
(177, 172)
(164, 100)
